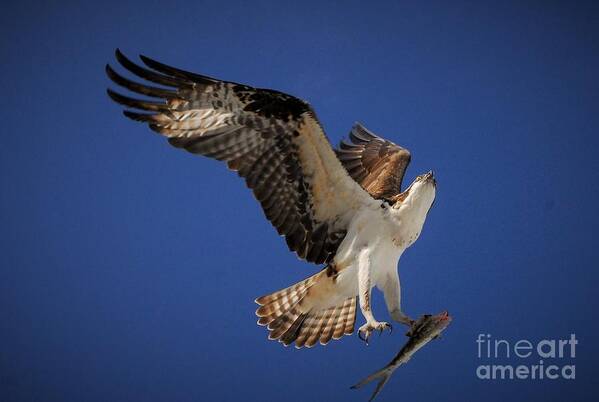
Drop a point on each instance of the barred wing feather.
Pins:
(377, 164)
(271, 139)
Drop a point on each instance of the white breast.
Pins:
(374, 230)
(384, 233)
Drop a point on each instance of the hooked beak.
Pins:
(430, 176)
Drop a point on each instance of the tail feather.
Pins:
(304, 332)
(296, 289)
(291, 334)
(289, 317)
(280, 325)
(350, 318)
(329, 329)
(321, 326)
(345, 325)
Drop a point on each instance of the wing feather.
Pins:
(271, 139)
(377, 164)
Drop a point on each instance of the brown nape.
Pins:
(401, 196)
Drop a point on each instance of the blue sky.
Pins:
(128, 269)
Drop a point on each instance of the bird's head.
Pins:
(426, 178)
(420, 193)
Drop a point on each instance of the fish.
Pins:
(425, 329)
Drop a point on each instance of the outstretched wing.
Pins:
(271, 139)
(376, 164)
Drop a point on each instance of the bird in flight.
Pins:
(343, 207)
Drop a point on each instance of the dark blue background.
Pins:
(129, 269)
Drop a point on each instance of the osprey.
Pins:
(343, 208)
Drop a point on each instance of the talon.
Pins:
(365, 338)
(365, 330)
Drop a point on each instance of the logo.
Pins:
(545, 359)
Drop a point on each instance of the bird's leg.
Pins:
(364, 293)
(392, 292)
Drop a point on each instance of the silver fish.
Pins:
(425, 329)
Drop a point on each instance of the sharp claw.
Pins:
(364, 339)
(366, 330)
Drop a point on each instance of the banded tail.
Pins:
(293, 314)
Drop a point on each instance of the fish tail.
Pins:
(381, 375)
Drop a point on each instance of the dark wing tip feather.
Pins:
(113, 95)
(176, 72)
(122, 59)
(149, 75)
(143, 117)
(361, 133)
(247, 144)
(136, 103)
(137, 87)
(346, 146)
